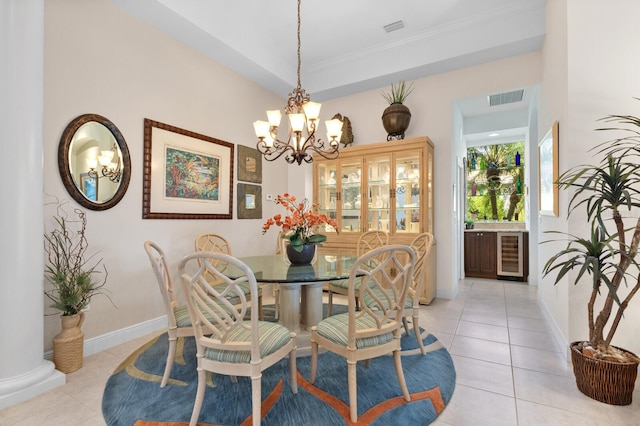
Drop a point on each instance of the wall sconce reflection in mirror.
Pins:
(111, 165)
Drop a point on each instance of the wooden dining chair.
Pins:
(368, 241)
(226, 343)
(218, 244)
(178, 320)
(374, 330)
(421, 245)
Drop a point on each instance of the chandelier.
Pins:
(303, 116)
(110, 163)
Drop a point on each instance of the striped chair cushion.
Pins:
(343, 284)
(370, 302)
(336, 329)
(182, 316)
(244, 286)
(272, 337)
(339, 283)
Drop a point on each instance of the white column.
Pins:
(23, 371)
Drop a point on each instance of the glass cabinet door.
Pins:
(350, 208)
(407, 192)
(327, 194)
(379, 181)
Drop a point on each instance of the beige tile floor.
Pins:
(509, 369)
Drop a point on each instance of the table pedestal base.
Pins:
(300, 309)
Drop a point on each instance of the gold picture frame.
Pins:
(548, 172)
(186, 175)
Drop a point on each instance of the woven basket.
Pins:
(604, 381)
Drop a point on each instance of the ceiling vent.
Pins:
(394, 26)
(506, 97)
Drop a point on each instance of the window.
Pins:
(495, 182)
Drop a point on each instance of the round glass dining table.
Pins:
(300, 285)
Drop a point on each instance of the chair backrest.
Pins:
(160, 267)
(212, 242)
(212, 312)
(422, 246)
(371, 240)
(384, 295)
(282, 245)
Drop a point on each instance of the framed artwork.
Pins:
(249, 164)
(185, 175)
(548, 172)
(249, 201)
(89, 186)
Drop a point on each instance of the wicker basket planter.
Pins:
(604, 381)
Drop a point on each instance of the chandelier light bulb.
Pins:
(297, 122)
(261, 128)
(312, 110)
(274, 117)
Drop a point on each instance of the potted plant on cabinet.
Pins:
(607, 258)
(72, 280)
(396, 116)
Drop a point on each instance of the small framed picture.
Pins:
(249, 164)
(249, 201)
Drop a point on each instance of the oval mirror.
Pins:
(94, 162)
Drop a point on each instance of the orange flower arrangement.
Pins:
(298, 224)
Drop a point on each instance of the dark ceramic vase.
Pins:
(303, 257)
(395, 119)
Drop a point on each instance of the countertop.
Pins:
(495, 230)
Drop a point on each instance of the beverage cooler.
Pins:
(513, 253)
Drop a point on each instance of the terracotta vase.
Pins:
(68, 345)
(395, 119)
(303, 257)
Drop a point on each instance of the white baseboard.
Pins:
(556, 332)
(115, 338)
(20, 388)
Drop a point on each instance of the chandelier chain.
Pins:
(299, 84)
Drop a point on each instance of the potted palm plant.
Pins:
(606, 257)
(72, 282)
(396, 116)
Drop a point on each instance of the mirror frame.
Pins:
(65, 172)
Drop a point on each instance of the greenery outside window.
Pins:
(495, 182)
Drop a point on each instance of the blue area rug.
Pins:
(133, 395)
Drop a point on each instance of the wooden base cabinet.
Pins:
(480, 254)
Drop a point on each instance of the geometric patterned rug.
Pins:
(133, 395)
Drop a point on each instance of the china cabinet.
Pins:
(384, 186)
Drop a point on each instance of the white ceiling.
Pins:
(345, 49)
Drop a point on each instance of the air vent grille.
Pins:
(506, 97)
(394, 26)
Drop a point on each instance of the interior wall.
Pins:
(431, 105)
(99, 59)
(587, 75)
